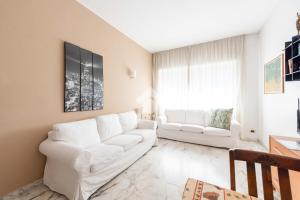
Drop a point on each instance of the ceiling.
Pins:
(158, 25)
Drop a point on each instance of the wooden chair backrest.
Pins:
(283, 163)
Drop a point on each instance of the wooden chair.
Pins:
(266, 160)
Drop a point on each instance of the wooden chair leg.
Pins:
(232, 170)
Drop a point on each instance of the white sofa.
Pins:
(192, 126)
(84, 155)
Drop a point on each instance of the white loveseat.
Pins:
(84, 155)
(192, 126)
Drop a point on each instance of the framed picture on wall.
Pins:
(72, 78)
(83, 79)
(97, 82)
(274, 76)
(86, 93)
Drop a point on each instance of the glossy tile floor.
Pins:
(160, 174)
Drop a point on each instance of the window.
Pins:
(208, 85)
(199, 77)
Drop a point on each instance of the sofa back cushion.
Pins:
(195, 117)
(108, 126)
(128, 120)
(82, 133)
(175, 116)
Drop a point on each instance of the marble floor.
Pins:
(160, 174)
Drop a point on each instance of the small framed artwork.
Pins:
(274, 76)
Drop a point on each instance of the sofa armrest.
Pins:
(147, 124)
(161, 120)
(71, 155)
(235, 129)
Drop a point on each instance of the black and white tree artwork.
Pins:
(72, 78)
(98, 82)
(83, 79)
(86, 80)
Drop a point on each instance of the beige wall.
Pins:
(32, 33)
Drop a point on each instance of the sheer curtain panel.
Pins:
(201, 76)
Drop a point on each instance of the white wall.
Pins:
(277, 112)
(250, 86)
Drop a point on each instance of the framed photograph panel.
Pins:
(72, 78)
(86, 64)
(98, 82)
(83, 79)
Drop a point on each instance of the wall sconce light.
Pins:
(131, 73)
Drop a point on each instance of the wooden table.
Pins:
(282, 145)
(198, 190)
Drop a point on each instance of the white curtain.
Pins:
(202, 76)
(172, 78)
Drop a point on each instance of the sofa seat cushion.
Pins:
(103, 155)
(217, 132)
(108, 126)
(192, 128)
(147, 134)
(171, 126)
(125, 141)
(80, 133)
